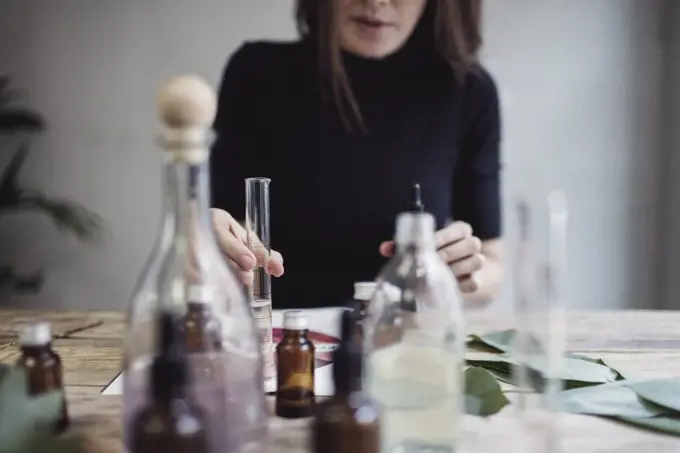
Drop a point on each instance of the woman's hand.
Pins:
(460, 249)
(232, 239)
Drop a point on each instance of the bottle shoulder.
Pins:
(358, 409)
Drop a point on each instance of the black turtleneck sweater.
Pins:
(335, 194)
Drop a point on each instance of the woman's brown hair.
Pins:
(452, 26)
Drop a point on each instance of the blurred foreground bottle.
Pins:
(415, 347)
(169, 422)
(188, 275)
(349, 422)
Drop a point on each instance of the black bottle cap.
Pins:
(347, 358)
(416, 200)
(169, 372)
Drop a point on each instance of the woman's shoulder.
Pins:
(480, 84)
(254, 57)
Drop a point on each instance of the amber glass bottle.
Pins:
(350, 421)
(202, 329)
(295, 368)
(42, 365)
(170, 422)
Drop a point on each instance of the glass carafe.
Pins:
(415, 346)
(190, 276)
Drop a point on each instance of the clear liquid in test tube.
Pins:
(258, 239)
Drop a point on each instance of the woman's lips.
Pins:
(370, 28)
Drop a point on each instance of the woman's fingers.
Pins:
(246, 277)
(469, 284)
(275, 264)
(461, 250)
(230, 241)
(234, 241)
(453, 233)
(387, 249)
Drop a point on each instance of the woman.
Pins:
(376, 95)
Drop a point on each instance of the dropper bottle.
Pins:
(170, 422)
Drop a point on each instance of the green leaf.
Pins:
(483, 394)
(575, 372)
(662, 392)
(4, 371)
(663, 424)
(25, 418)
(611, 400)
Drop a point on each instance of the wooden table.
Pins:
(640, 343)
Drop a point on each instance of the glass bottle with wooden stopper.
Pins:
(170, 422)
(295, 364)
(190, 275)
(42, 366)
(350, 421)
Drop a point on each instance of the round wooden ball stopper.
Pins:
(187, 102)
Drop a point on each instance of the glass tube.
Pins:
(540, 326)
(258, 240)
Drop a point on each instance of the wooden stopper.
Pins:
(187, 102)
(187, 106)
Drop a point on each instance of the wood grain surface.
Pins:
(639, 343)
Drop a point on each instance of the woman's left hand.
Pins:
(460, 249)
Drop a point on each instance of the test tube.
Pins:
(540, 326)
(524, 287)
(258, 240)
(555, 276)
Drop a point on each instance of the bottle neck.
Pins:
(35, 350)
(347, 382)
(188, 199)
(294, 334)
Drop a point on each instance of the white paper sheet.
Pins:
(324, 332)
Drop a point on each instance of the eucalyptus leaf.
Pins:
(575, 372)
(504, 342)
(663, 392)
(25, 419)
(663, 424)
(4, 371)
(611, 400)
(483, 394)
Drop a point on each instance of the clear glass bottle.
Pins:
(190, 276)
(415, 347)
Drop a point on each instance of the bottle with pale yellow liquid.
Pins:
(414, 347)
(295, 366)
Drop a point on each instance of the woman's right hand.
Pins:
(232, 239)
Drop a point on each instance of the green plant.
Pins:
(21, 123)
(26, 420)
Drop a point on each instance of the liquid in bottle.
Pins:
(295, 368)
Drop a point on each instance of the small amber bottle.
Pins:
(203, 331)
(170, 422)
(349, 422)
(43, 366)
(295, 368)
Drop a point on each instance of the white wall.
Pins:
(582, 98)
